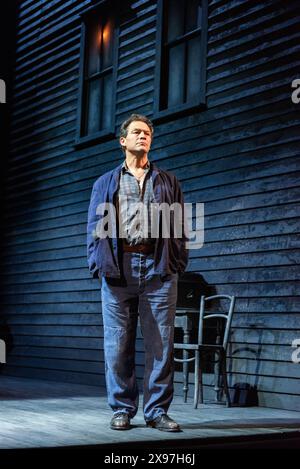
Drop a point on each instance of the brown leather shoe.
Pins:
(120, 421)
(164, 423)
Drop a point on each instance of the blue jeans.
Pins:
(145, 294)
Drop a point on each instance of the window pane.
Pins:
(107, 43)
(175, 19)
(107, 102)
(93, 49)
(193, 15)
(193, 69)
(176, 75)
(93, 106)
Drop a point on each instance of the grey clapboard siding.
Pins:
(239, 156)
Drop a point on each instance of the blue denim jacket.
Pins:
(105, 254)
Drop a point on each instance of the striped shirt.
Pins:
(134, 202)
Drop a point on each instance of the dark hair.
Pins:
(133, 118)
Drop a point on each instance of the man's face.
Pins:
(138, 139)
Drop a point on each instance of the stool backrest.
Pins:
(206, 316)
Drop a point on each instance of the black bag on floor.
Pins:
(244, 395)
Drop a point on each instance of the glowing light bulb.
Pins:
(106, 33)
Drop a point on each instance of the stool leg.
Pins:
(200, 382)
(224, 375)
(186, 340)
(185, 376)
(217, 368)
(197, 378)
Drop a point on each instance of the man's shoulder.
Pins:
(104, 179)
(167, 175)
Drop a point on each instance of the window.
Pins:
(181, 51)
(98, 75)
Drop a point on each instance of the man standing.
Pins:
(139, 274)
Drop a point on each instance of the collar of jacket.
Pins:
(116, 178)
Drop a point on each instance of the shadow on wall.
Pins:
(245, 359)
(191, 286)
(9, 11)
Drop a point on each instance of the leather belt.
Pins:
(143, 248)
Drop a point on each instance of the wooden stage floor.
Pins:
(46, 414)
